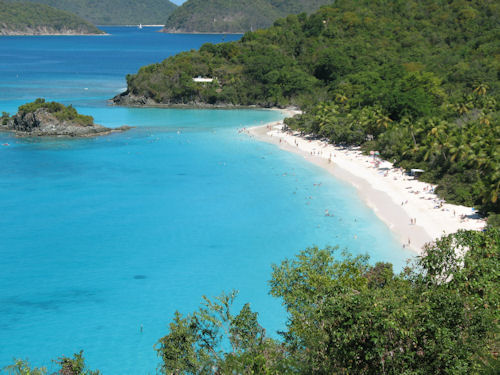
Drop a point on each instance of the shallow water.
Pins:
(100, 236)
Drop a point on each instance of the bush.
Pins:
(60, 111)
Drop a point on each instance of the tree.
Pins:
(22, 367)
(438, 316)
(69, 366)
(196, 343)
(74, 366)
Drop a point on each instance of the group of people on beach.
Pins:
(413, 194)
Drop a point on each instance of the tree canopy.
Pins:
(67, 366)
(347, 316)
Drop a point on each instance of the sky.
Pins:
(178, 2)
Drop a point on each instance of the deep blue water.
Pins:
(100, 236)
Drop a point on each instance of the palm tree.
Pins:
(463, 108)
(459, 147)
(437, 135)
(484, 119)
(481, 89)
(341, 98)
(323, 114)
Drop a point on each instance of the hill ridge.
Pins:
(234, 16)
(38, 19)
(114, 12)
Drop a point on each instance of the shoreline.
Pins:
(25, 33)
(199, 106)
(199, 32)
(396, 198)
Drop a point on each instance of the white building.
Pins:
(203, 80)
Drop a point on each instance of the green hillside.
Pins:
(233, 16)
(38, 19)
(115, 12)
(417, 80)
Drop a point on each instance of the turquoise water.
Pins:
(100, 236)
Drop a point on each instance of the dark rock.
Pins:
(129, 99)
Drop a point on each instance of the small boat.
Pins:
(140, 26)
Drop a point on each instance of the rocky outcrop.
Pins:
(44, 123)
(128, 99)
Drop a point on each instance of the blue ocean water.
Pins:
(100, 236)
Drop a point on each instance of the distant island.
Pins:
(41, 118)
(38, 19)
(115, 12)
(234, 16)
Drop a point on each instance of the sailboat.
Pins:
(140, 26)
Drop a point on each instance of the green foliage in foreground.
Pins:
(229, 16)
(60, 111)
(115, 12)
(68, 366)
(416, 80)
(438, 316)
(20, 17)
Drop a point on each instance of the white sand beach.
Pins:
(409, 207)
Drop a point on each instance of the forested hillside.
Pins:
(417, 80)
(115, 12)
(38, 19)
(234, 16)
